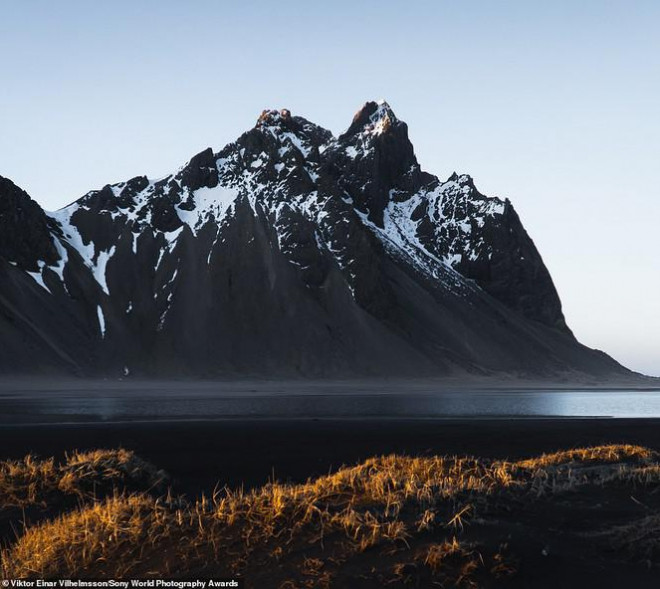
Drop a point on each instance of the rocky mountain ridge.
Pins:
(289, 252)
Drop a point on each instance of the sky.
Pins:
(551, 104)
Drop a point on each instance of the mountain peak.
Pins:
(380, 158)
(270, 117)
(374, 118)
(461, 179)
(279, 133)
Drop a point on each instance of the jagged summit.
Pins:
(288, 252)
(373, 117)
(273, 117)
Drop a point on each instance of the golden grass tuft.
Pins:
(32, 481)
(618, 453)
(27, 481)
(389, 509)
(120, 526)
(84, 472)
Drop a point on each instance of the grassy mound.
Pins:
(394, 520)
(32, 489)
(32, 481)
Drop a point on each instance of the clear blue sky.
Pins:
(553, 104)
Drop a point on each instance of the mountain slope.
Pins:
(289, 252)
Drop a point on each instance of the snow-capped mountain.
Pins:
(289, 252)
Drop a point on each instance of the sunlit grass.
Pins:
(31, 481)
(412, 513)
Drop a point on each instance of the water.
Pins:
(35, 406)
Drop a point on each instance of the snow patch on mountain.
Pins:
(209, 203)
(38, 277)
(101, 319)
(99, 268)
(456, 210)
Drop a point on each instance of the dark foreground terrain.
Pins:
(415, 518)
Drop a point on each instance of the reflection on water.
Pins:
(127, 405)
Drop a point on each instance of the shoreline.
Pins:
(350, 385)
(311, 419)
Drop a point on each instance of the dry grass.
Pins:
(385, 521)
(85, 472)
(27, 481)
(32, 481)
(599, 465)
(118, 526)
(619, 453)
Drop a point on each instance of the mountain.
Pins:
(289, 252)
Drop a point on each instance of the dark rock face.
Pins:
(289, 252)
(376, 158)
(25, 233)
(484, 240)
(200, 171)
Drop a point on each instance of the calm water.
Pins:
(19, 407)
